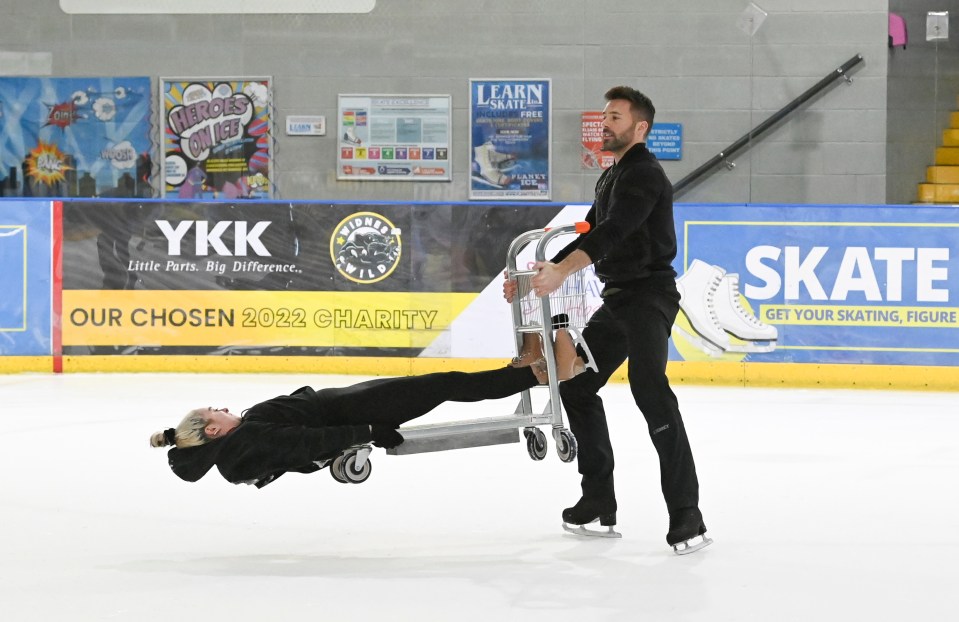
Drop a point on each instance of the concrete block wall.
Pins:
(698, 66)
(923, 85)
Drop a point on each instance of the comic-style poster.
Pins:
(217, 138)
(75, 137)
(511, 122)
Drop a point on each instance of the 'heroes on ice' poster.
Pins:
(75, 137)
(217, 141)
(510, 139)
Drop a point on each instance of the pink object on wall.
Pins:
(897, 31)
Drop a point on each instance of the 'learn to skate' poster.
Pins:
(510, 139)
(394, 137)
(26, 238)
(75, 137)
(217, 138)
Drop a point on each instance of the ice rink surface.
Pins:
(824, 505)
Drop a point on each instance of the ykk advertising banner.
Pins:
(274, 279)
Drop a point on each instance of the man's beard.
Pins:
(615, 143)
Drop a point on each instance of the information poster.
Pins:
(394, 137)
(75, 137)
(510, 139)
(592, 134)
(217, 138)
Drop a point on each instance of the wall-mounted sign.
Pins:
(665, 141)
(217, 141)
(510, 139)
(394, 137)
(593, 156)
(306, 125)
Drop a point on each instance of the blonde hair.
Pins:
(189, 433)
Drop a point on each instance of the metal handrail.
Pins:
(723, 155)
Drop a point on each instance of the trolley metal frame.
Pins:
(530, 314)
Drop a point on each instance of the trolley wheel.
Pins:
(336, 469)
(535, 443)
(354, 475)
(567, 447)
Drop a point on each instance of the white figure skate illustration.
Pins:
(710, 300)
(697, 290)
(492, 165)
(349, 136)
(739, 322)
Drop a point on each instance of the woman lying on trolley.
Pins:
(302, 432)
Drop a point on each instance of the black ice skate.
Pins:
(588, 511)
(687, 532)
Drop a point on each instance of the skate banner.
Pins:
(26, 240)
(75, 137)
(217, 138)
(510, 139)
(289, 279)
(592, 135)
(818, 284)
(394, 137)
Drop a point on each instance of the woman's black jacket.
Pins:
(286, 433)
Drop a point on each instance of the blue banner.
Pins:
(818, 284)
(25, 277)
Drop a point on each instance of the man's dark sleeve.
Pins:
(633, 197)
(574, 244)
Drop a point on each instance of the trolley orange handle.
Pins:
(581, 227)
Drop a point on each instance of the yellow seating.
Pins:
(942, 178)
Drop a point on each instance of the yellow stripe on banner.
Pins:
(843, 315)
(832, 376)
(25, 364)
(257, 318)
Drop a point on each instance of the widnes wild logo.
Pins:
(365, 247)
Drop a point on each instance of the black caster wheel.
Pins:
(566, 447)
(353, 474)
(336, 469)
(535, 443)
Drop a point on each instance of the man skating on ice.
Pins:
(631, 244)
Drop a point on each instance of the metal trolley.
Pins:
(563, 309)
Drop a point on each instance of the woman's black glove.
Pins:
(384, 436)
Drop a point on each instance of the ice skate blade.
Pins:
(752, 347)
(703, 344)
(692, 545)
(580, 530)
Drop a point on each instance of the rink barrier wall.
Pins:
(112, 253)
(795, 375)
